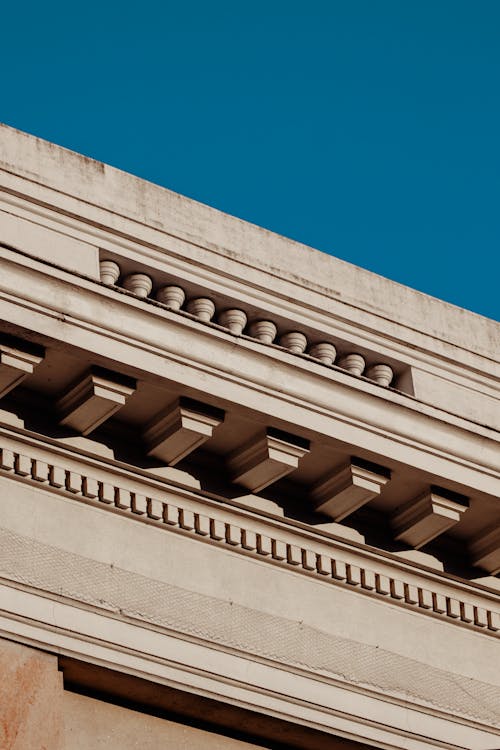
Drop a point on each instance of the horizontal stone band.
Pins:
(261, 329)
(243, 540)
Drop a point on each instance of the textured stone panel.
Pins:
(227, 623)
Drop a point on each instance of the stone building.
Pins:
(249, 492)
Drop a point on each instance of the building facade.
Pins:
(249, 493)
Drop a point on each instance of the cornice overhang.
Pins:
(148, 341)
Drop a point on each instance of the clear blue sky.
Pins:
(368, 129)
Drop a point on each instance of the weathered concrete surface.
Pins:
(30, 699)
(46, 244)
(230, 238)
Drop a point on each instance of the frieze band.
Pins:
(247, 541)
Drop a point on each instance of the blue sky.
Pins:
(369, 129)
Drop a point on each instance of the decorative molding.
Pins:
(418, 522)
(151, 247)
(235, 320)
(263, 330)
(139, 284)
(264, 546)
(343, 492)
(382, 375)
(202, 308)
(219, 247)
(410, 431)
(294, 341)
(324, 352)
(93, 399)
(266, 458)
(353, 363)
(110, 272)
(182, 428)
(18, 360)
(172, 296)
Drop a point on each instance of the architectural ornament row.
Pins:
(245, 540)
(186, 424)
(236, 321)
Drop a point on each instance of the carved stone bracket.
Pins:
(340, 494)
(17, 360)
(485, 551)
(93, 399)
(266, 458)
(182, 428)
(418, 522)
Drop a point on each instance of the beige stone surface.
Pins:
(266, 385)
(182, 582)
(92, 400)
(91, 723)
(223, 578)
(48, 244)
(466, 399)
(30, 699)
(229, 240)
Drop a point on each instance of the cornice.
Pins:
(266, 539)
(90, 462)
(41, 300)
(414, 361)
(365, 412)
